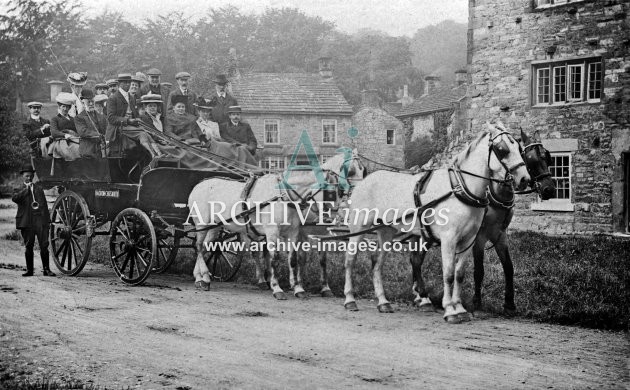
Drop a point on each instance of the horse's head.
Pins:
(505, 155)
(346, 166)
(537, 160)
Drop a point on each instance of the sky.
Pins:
(395, 17)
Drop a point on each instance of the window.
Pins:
(560, 169)
(329, 131)
(574, 81)
(325, 157)
(273, 163)
(553, 3)
(390, 140)
(272, 135)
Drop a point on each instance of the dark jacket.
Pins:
(60, 126)
(90, 128)
(192, 98)
(32, 131)
(147, 119)
(156, 90)
(116, 111)
(26, 217)
(220, 107)
(239, 134)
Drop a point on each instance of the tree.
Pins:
(14, 148)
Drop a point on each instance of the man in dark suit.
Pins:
(237, 132)
(91, 127)
(32, 220)
(183, 90)
(35, 128)
(122, 121)
(221, 100)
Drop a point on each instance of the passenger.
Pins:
(77, 80)
(91, 127)
(237, 132)
(181, 124)
(154, 87)
(221, 100)
(112, 84)
(122, 121)
(134, 89)
(100, 89)
(99, 104)
(36, 128)
(63, 131)
(183, 90)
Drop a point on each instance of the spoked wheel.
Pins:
(224, 265)
(132, 246)
(167, 247)
(70, 233)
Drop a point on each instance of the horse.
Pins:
(494, 227)
(279, 219)
(459, 191)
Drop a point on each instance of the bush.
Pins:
(13, 235)
(14, 148)
(419, 151)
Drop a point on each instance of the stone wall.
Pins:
(508, 37)
(372, 124)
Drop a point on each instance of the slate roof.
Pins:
(289, 93)
(439, 100)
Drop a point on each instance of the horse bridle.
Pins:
(539, 155)
(501, 151)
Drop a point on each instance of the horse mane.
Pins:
(471, 146)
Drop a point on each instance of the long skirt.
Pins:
(66, 148)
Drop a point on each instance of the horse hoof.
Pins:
(351, 306)
(385, 308)
(280, 296)
(452, 319)
(201, 285)
(327, 294)
(263, 286)
(301, 295)
(425, 307)
(464, 317)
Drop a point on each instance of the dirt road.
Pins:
(168, 335)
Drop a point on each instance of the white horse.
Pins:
(454, 206)
(279, 221)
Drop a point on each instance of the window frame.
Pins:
(558, 204)
(277, 123)
(393, 137)
(268, 159)
(554, 3)
(334, 142)
(547, 71)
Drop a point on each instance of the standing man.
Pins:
(32, 220)
(238, 133)
(153, 87)
(91, 127)
(222, 100)
(35, 128)
(182, 90)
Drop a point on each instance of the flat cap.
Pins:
(112, 82)
(182, 75)
(154, 72)
(100, 86)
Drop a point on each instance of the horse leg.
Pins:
(201, 272)
(503, 251)
(384, 235)
(448, 276)
(478, 254)
(323, 275)
(272, 265)
(261, 260)
(421, 300)
(460, 271)
(348, 290)
(296, 266)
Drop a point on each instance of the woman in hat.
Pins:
(63, 131)
(182, 125)
(77, 80)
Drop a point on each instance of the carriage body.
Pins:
(143, 211)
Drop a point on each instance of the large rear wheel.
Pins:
(133, 246)
(70, 233)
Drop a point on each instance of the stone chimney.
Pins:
(233, 73)
(431, 84)
(55, 88)
(461, 77)
(370, 98)
(406, 99)
(325, 68)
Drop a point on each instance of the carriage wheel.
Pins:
(70, 245)
(132, 246)
(167, 248)
(224, 265)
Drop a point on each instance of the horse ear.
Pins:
(355, 152)
(491, 128)
(536, 136)
(524, 137)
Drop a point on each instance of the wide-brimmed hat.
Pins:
(203, 103)
(154, 72)
(112, 82)
(151, 98)
(33, 104)
(27, 168)
(100, 99)
(179, 99)
(66, 98)
(77, 78)
(182, 75)
(124, 77)
(221, 79)
(101, 86)
(87, 94)
(232, 109)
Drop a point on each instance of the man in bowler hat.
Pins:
(32, 220)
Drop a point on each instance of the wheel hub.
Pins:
(65, 232)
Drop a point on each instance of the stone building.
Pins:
(279, 106)
(380, 135)
(560, 67)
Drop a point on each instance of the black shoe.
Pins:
(28, 273)
(48, 272)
